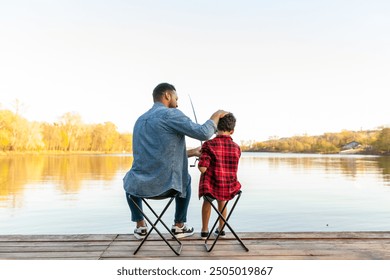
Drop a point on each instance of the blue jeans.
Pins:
(180, 210)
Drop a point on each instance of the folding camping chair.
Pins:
(210, 199)
(171, 194)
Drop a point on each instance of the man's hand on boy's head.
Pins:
(217, 115)
(222, 113)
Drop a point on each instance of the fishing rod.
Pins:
(196, 120)
(193, 109)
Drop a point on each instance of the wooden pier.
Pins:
(262, 245)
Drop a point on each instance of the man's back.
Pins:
(159, 150)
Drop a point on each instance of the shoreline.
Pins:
(17, 153)
(308, 153)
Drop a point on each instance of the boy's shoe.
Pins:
(183, 231)
(140, 232)
(204, 234)
(217, 231)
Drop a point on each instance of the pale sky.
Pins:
(284, 68)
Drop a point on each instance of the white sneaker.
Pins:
(140, 232)
(182, 232)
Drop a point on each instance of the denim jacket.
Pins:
(159, 151)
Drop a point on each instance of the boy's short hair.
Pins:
(227, 123)
(159, 90)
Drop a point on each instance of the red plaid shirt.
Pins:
(220, 155)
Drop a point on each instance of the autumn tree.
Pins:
(68, 134)
(382, 144)
(70, 124)
(372, 141)
(6, 118)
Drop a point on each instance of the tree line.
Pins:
(370, 142)
(69, 134)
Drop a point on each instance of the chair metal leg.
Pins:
(220, 216)
(154, 226)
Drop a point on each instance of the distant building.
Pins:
(351, 146)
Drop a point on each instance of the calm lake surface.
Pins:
(64, 194)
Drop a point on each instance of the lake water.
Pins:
(69, 194)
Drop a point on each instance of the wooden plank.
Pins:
(50, 255)
(268, 241)
(236, 250)
(256, 249)
(274, 254)
(53, 243)
(280, 235)
(74, 237)
(28, 249)
(314, 235)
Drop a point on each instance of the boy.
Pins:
(218, 164)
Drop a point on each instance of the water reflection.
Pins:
(66, 172)
(384, 166)
(69, 171)
(348, 165)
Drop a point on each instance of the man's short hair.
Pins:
(159, 90)
(227, 123)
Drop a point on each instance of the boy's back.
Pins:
(220, 156)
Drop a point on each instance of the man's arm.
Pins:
(194, 152)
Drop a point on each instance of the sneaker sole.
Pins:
(183, 235)
(138, 236)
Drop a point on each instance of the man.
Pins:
(160, 157)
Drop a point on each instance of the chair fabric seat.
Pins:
(165, 195)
